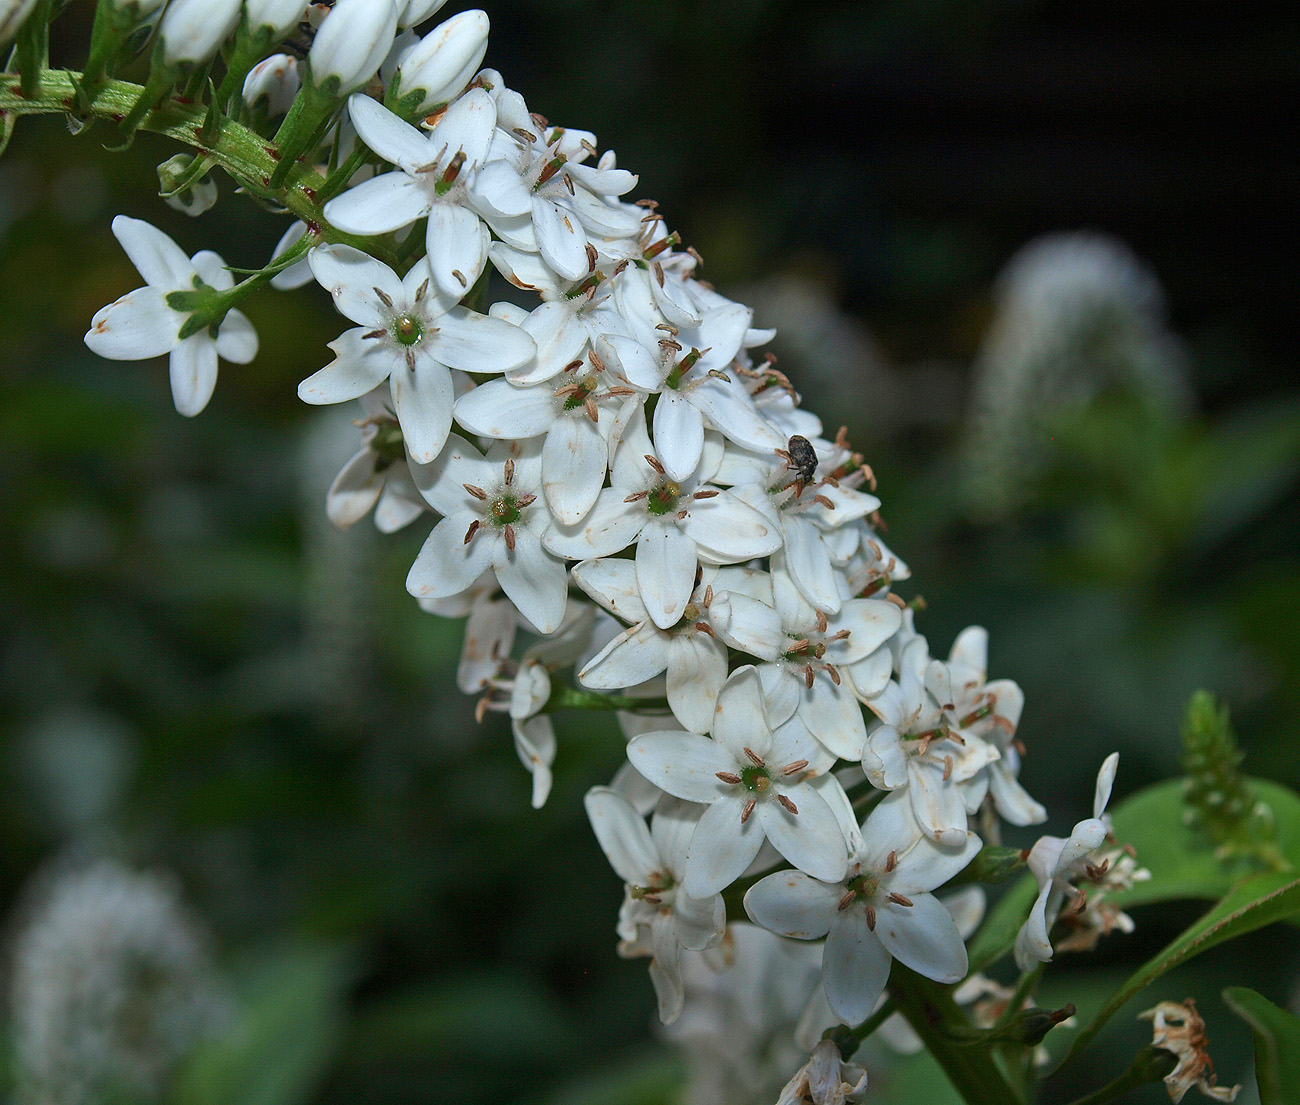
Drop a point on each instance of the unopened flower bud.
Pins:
(13, 14)
(417, 11)
(276, 81)
(193, 197)
(193, 30)
(442, 63)
(352, 41)
(276, 17)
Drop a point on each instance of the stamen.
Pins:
(655, 464)
(384, 297)
(809, 676)
(374, 334)
(510, 537)
(477, 492)
(708, 596)
(834, 673)
(636, 496)
(592, 256)
(527, 500)
(891, 861)
(787, 804)
(754, 757)
(708, 494)
(473, 529)
(728, 777)
(871, 919)
(792, 768)
(705, 628)
(846, 901)
(822, 622)
(947, 768)
(510, 470)
(749, 808)
(899, 899)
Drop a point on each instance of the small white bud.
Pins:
(276, 80)
(352, 42)
(279, 16)
(444, 61)
(416, 11)
(193, 30)
(13, 14)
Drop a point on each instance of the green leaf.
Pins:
(1181, 860)
(286, 1027)
(1277, 1044)
(1258, 901)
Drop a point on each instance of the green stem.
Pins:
(930, 1011)
(848, 1040)
(571, 698)
(1150, 1065)
(1024, 990)
(243, 154)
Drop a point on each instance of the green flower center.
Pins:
(865, 885)
(407, 329)
(505, 509)
(663, 497)
(756, 779)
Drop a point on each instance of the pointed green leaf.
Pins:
(1258, 901)
(1277, 1044)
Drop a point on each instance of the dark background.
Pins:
(279, 723)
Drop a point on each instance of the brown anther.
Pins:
(477, 492)
(793, 768)
(592, 256)
(473, 529)
(682, 515)
(566, 390)
(1096, 872)
(527, 500)
(460, 276)
(891, 597)
(589, 405)
(786, 804)
(834, 673)
(510, 536)
(718, 374)
(636, 496)
(668, 327)
(753, 756)
(728, 777)
(669, 343)
(1080, 903)
(696, 254)
(658, 270)
(705, 628)
(621, 266)
(899, 899)
(824, 500)
(823, 623)
(568, 183)
(708, 596)
(596, 362)
(871, 918)
(374, 334)
(573, 366)
(527, 135)
(749, 808)
(651, 204)
(1004, 724)
(708, 493)
(654, 463)
(620, 390)
(384, 297)
(510, 470)
(947, 768)
(653, 899)
(801, 645)
(849, 898)
(891, 861)
(481, 708)
(831, 481)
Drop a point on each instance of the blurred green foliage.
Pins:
(401, 926)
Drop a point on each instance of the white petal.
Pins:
(480, 343)
(498, 409)
(422, 400)
(446, 565)
(466, 126)
(457, 242)
(665, 970)
(810, 565)
(193, 371)
(855, 966)
(697, 669)
(573, 468)
(678, 435)
(359, 365)
(378, 205)
(158, 259)
(354, 491)
(390, 137)
(1105, 780)
(683, 764)
(721, 847)
(939, 806)
(623, 836)
(562, 240)
(728, 409)
(665, 572)
(611, 526)
(791, 903)
(924, 937)
(560, 340)
(740, 718)
(810, 839)
(612, 583)
(639, 653)
(699, 922)
(746, 624)
(535, 746)
(534, 580)
(489, 636)
(136, 326)
(236, 338)
(730, 529)
(355, 281)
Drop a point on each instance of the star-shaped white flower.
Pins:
(491, 519)
(881, 909)
(141, 324)
(757, 786)
(409, 334)
(658, 917)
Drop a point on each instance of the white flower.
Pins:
(826, 1079)
(1055, 862)
(658, 917)
(275, 17)
(276, 80)
(675, 525)
(432, 176)
(377, 476)
(880, 909)
(141, 324)
(757, 787)
(416, 11)
(917, 748)
(13, 14)
(352, 41)
(192, 30)
(441, 64)
(409, 334)
(491, 519)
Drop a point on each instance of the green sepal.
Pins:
(1027, 1027)
(992, 864)
(32, 48)
(1277, 1044)
(305, 122)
